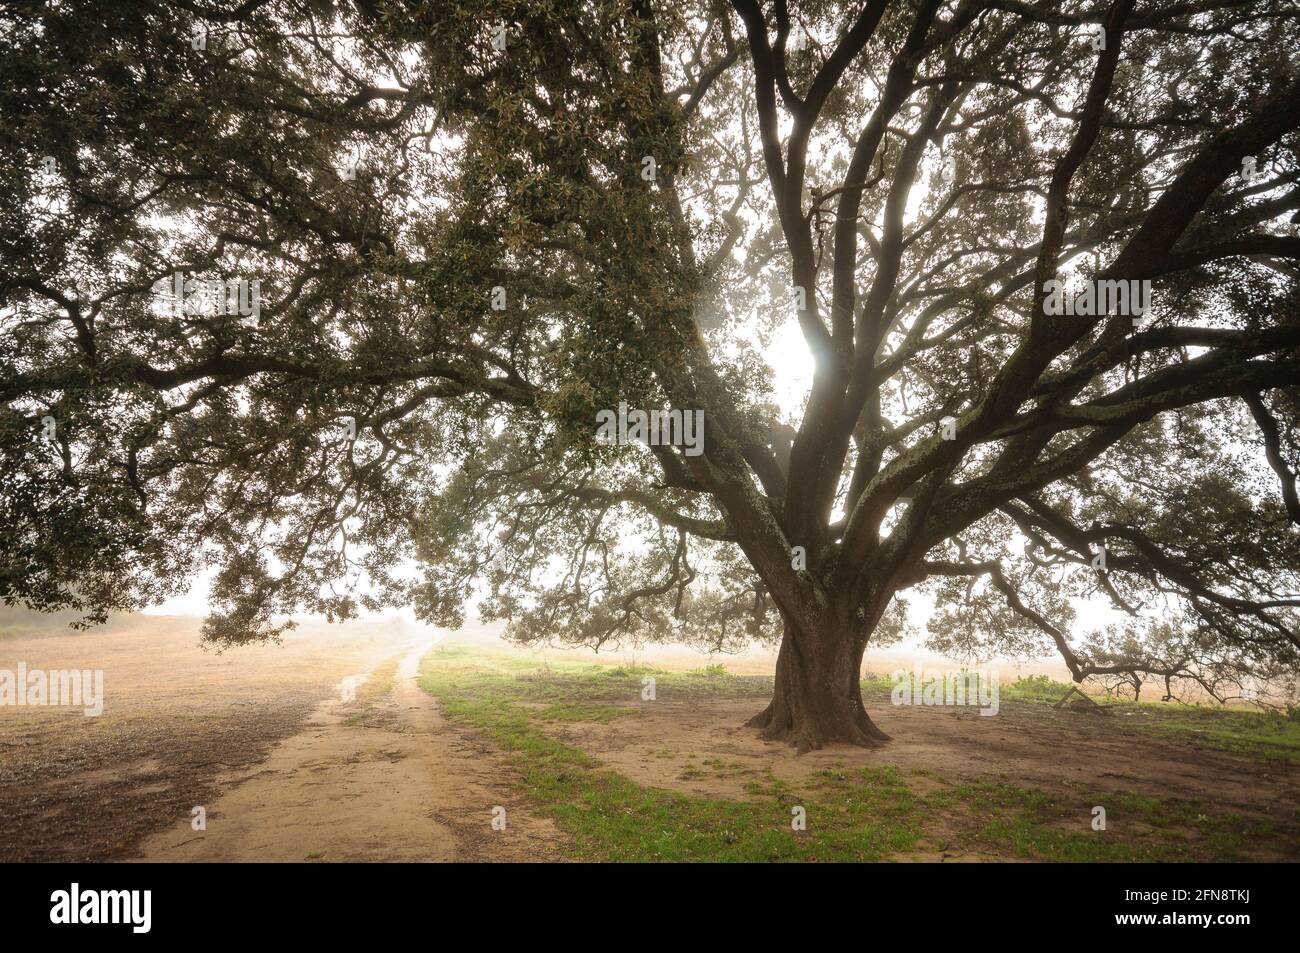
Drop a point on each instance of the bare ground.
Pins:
(395, 785)
(700, 746)
(287, 771)
(259, 737)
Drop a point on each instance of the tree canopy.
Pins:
(426, 245)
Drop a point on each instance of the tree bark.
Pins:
(818, 694)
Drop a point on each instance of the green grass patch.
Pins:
(1257, 733)
(1260, 734)
(1034, 688)
(609, 817)
(579, 711)
(852, 814)
(1264, 735)
(1002, 817)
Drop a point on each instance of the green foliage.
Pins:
(1034, 688)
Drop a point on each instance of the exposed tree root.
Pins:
(777, 723)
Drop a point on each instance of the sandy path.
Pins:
(397, 785)
(176, 716)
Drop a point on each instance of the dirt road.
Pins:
(259, 738)
(395, 784)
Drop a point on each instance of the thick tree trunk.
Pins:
(818, 695)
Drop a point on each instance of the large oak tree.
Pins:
(475, 226)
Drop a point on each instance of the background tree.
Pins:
(900, 178)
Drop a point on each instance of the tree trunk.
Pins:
(818, 695)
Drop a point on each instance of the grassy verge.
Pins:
(862, 814)
(1261, 734)
(1264, 735)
